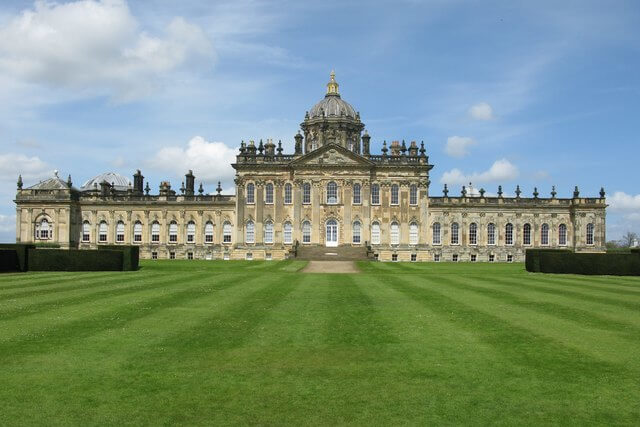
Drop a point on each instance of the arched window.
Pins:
(395, 233)
(306, 193)
(590, 228)
(562, 235)
(544, 234)
(491, 234)
(250, 232)
(120, 232)
(526, 234)
(375, 233)
(268, 232)
(137, 232)
(356, 232)
(436, 233)
(455, 234)
(375, 194)
(191, 232)
(155, 232)
(413, 195)
(413, 233)
(226, 232)
(332, 193)
(508, 234)
(208, 232)
(86, 231)
(251, 193)
(173, 232)
(394, 195)
(288, 233)
(268, 194)
(103, 229)
(473, 233)
(306, 232)
(43, 231)
(288, 199)
(356, 194)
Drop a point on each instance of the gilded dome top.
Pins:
(332, 104)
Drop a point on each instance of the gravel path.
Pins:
(331, 267)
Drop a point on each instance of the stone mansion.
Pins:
(330, 192)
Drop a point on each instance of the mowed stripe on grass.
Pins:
(193, 342)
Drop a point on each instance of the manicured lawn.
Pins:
(208, 342)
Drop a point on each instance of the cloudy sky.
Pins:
(535, 93)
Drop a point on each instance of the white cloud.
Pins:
(481, 111)
(501, 170)
(541, 175)
(31, 168)
(210, 161)
(621, 202)
(457, 146)
(95, 47)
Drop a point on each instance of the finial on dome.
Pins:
(332, 86)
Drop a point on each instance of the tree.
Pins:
(628, 239)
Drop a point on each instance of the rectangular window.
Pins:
(454, 258)
(208, 238)
(189, 255)
(394, 257)
(154, 255)
(85, 237)
(436, 233)
(137, 238)
(155, 237)
(306, 232)
(103, 237)
(356, 194)
(119, 238)
(268, 197)
(509, 258)
(190, 238)
(492, 258)
(395, 199)
(414, 257)
(413, 195)
(436, 257)
(172, 255)
(306, 193)
(375, 194)
(226, 256)
(173, 238)
(474, 258)
(288, 199)
(267, 257)
(249, 256)
(208, 256)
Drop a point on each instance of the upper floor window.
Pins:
(413, 195)
(590, 228)
(191, 232)
(288, 199)
(375, 194)
(86, 231)
(250, 233)
(103, 229)
(562, 235)
(306, 232)
(306, 193)
(173, 232)
(491, 234)
(120, 232)
(268, 232)
(287, 233)
(544, 234)
(268, 194)
(356, 194)
(395, 233)
(356, 232)
(413, 233)
(455, 234)
(508, 234)
(526, 234)
(208, 232)
(137, 232)
(226, 232)
(155, 231)
(332, 193)
(473, 233)
(394, 194)
(436, 233)
(375, 233)
(251, 193)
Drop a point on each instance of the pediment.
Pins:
(331, 155)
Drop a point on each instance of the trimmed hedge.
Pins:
(22, 252)
(131, 255)
(74, 260)
(567, 262)
(9, 260)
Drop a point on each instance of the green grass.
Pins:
(208, 342)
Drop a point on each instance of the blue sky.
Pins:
(535, 93)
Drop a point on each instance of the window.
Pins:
(509, 258)
(226, 232)
(251, 193)
(288, 199)
(508, 234)
(394, 257)
(455, 234)
(288, 233)
(544, 234)
(590, 228)
(375, 194)
(248, 256)
(526, 234)
(306, 232)
(562, 235)
(436, 257)
(155, 232)
(267, 256)
(226, 256)
(356, 194)
(250, 232)
(473, 233)
(120, 232)
(137, 232)
(492, 258)
(413, 195)
(306, 193)
(268, 232)
(491, 234)
(375, 233)
(208, 256)
(102, 231)
(474, 258)
(172, 255)
(173, 232)
(191, 232)
(394, 194)
(356, 232)
(436, 233)
(413, 233)
(268, 194)
(395, 233)
(208, 232)
(86, 231)
(43, 230)
(454, 258)
(332, 193)
(414, 257)
(189, 255)
(154, 255)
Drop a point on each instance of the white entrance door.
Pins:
(332, 233)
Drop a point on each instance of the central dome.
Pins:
(332, 104)
(119, 182)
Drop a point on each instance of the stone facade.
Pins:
(330, 192)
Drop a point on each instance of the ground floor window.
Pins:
(154, 255)
(248, 256)
(267, 257)
(208, 257)
(492, 258)
(436, 257)
(226, 256)
(454, 258)
(474, 258)
(172, 255)
(394, 257)
(414, 257)
(509, 258)
(306, 232)
(189, 255)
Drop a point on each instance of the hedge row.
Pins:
(74, 260)
(21, 252)
(9, 260)
(567, 262)
(131, 255)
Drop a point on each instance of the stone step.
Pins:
(340, 253)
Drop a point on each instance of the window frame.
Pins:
(562, 235)
(544, 234)
(509, 238)
(208, 237)
(173, 232)
(356, 232)
(250, 232)
(473, 234)
(191, 232)
(394, 199)
(306, 193)
(251, 194)
(376, 233)
(590, 235)
(455, 236)
(394, 233)
(288, 194)
(268, 233)
(287, 230)
(155, 235)
(120, 227)
(375, 194)
(137, 232)
(414, 233)
(306, 232)
(268, 194)
(86, 232)
(357, 194)
(491, 234)
(332, 193)
(413, 195)
(103, 233)
(436, 233)
(227, 231)
(526, 234)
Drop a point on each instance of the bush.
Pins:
(567, 262)
(9, 260)
(131, 255)
(22, 252)
(74, 260)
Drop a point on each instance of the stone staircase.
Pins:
(340, 253)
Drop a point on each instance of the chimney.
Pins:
(190, 180)
(138, 182)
